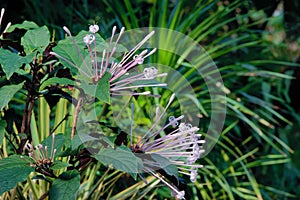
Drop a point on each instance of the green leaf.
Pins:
(66, 186)
(101, 90)
(89, 89)
(56, 81)
(7, 92)
(2, 130)
(36, 39)
(166, 165)
(59, 165)
(67, 50)
(109, 140)
(11, 61)
(13, 170)
(121, 158)
(59, 141)
(82, 138)
(27, 25)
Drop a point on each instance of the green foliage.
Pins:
(3, 125)
(58, 143)
(26, 25)
(65, 186)
(242, 58)
(55, 81)
(257, 139)
(36, 40)
(65, 48)
(13, 169)
(165, 164)
(121, 158)
(59, 165)
(7, 92)
(11, 62)
(99, 90)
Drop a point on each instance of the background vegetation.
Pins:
(255, 45)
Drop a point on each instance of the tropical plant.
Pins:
(253, 144)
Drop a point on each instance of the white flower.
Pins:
(193, 175)
(150, 72)
(180, 195)
(94, 28)
(182, 147)
(122, 81)
(174, 190)
(89, 39)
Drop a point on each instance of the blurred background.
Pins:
(256, 46)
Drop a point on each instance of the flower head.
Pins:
(123, 80)
(94, 28)
(42, 159)
(89, 39)
(182, 147)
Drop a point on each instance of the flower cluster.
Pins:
(42, 157)
(182, 147)
(121, 81)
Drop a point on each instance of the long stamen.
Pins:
(7, 26)
(1, 16)
(159, 118)
(46, 151)
(95, 61)
(147, 93)
(101, 67)
(154, 134)
(125, 58)
(69, 62)
(138, 86)
(163, 113)
(42, 151)
(77, 49)
(132, 118)
(109, 45)
(52, 147)
(179, 194)
(119, 36)
(171, 136)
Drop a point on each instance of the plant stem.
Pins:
(77, 110)
(29, 116)
(24, 129)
